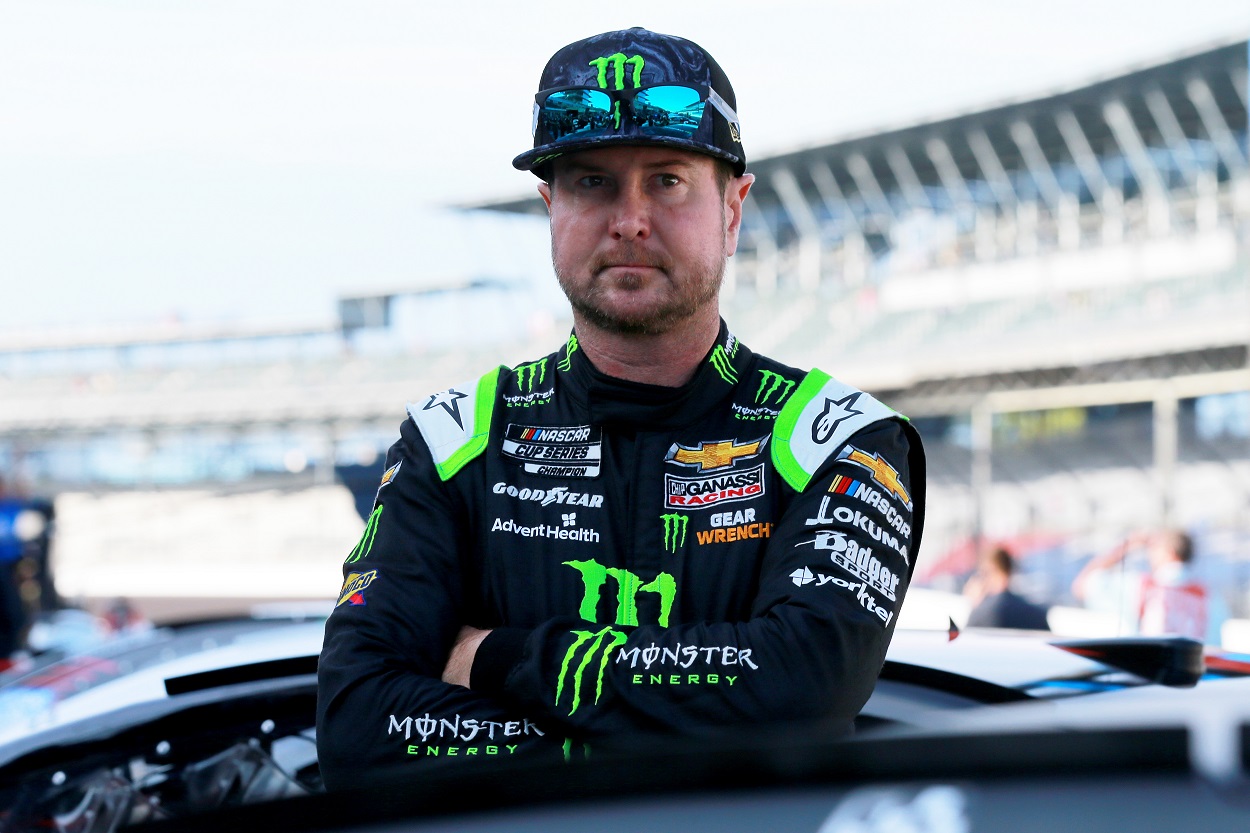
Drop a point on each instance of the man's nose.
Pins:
(632, 217)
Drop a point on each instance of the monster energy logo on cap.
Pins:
(770, 383)
(618, 61)
(675, 530)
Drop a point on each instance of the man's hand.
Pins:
(460, 663)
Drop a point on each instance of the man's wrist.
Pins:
(496, 656)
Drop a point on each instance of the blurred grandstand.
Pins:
(1056, 289)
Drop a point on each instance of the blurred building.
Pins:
(1056, 289)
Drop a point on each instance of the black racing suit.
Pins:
(650, 560)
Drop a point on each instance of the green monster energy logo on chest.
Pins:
(675, 531)
(593, 649)
(720, 361)
(566, 364)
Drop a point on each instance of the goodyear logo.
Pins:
(353, 591)
(882, 472)
(717, 455)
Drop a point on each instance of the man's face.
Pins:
(639, 235)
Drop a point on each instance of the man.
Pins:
(995, 605)
(652, 529)
(1166, 599)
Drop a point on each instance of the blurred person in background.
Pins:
(1165, 598)
(652, 529)
(17, 528)
(994, 603)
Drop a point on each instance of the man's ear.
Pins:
(544, 191)
(735, 195)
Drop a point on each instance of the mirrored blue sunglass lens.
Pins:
(673, 111)
(575, 111)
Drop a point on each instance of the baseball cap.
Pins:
(633, 87)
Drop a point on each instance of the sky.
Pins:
(251, 161)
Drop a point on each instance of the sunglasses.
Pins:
(670, 110)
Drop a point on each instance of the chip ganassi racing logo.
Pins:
(713, 489)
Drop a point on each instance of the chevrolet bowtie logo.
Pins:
(718, 455)
(882, 472)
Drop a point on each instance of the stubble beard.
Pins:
(691, 293)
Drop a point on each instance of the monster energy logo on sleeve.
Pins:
(720, 361)
(528, 375)
(675, 530)
(618, 61)
(365, 545)
(628, 586)
(770, 383)
(566, 363)
(591, 645)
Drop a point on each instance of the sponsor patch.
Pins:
(882, 472)
(716, 455)
(835, 413)
(353, 591)
(713, 489)
(857, 520)
(559, 451)
(867, 601)
(557, 496)
(675, 525)
(387, 477)
(567, 531)
(859, 561)
(864, 493)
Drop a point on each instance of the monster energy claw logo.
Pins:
(674, 531)
(618, 61)
(590, 644)
(770, 383)
(720, 361)
(528, 375)
(365, 545)
(566, 363)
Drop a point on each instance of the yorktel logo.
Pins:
(558, 495)
(568, 451)
(712, 456)
(674, 531)
(882, 472)
(858, 520)
(698, 492)
(856, 560)
(866, 600)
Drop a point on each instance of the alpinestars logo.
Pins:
(449, 401)
(675, 525)
(836, 412)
